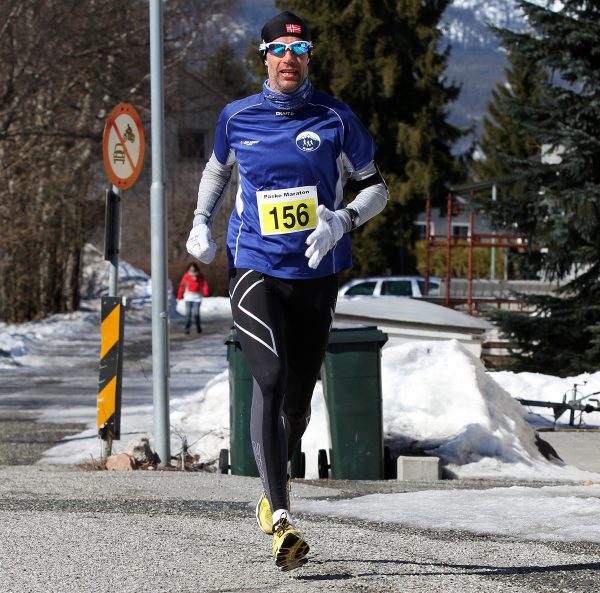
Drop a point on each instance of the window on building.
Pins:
(421, 227)
(192, 144)
(460, 230)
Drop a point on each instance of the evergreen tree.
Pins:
(504, 139)
(382, 58)
(502, 135)
(562, 192)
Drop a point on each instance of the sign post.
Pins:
(123, 150)
(112, 239)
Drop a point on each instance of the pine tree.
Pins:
(382, 59)
(505, 139)
(562, 193)
(502, 134)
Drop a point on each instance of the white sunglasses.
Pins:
(278, 49)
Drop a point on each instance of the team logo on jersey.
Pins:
(308, 141)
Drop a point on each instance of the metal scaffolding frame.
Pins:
(455, 203)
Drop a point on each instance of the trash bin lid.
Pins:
(232, 337)
(357, 333)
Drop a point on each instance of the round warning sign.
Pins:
(123, 146)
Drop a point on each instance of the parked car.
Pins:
(402, 286)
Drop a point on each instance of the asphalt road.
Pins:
(71, 531)
(68, 530)
(23, 439)
(68, 380)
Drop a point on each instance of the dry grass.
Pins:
(93, 465)
(191, 464)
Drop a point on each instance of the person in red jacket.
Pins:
(192, 288)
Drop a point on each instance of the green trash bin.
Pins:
(239, 458)
(352, 388)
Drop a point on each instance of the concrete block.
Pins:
(419, 469)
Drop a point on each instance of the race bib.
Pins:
(287, 210)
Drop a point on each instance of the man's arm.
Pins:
(331, 226)
(210, 197)
(371, 199)
(212, 189)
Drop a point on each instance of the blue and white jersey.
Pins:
(289, 163)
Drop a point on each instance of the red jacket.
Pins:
(191, 284)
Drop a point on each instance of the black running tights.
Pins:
(283, 327)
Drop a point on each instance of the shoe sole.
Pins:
(293, 564)
(291, 551)
(268, 532)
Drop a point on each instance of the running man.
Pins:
(298, 150)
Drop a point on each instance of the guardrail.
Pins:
(498, 289)
(480, 305)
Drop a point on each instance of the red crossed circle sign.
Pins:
(123, 145)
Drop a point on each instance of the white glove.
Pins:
(200, 244)
(328, 232)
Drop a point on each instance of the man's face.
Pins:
(287, 73)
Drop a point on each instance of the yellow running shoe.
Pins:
(264, 515)
(289, 547)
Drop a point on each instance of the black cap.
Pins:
(285, 24)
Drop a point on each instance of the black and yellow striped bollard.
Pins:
(111, 370)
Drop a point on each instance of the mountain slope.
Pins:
(476, 61)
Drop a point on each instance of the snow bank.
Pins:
(440, 395)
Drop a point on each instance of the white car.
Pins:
(402, 286)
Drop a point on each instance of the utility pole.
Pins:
(493, 249)
(158, 221)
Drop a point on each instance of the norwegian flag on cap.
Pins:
(285, 24)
